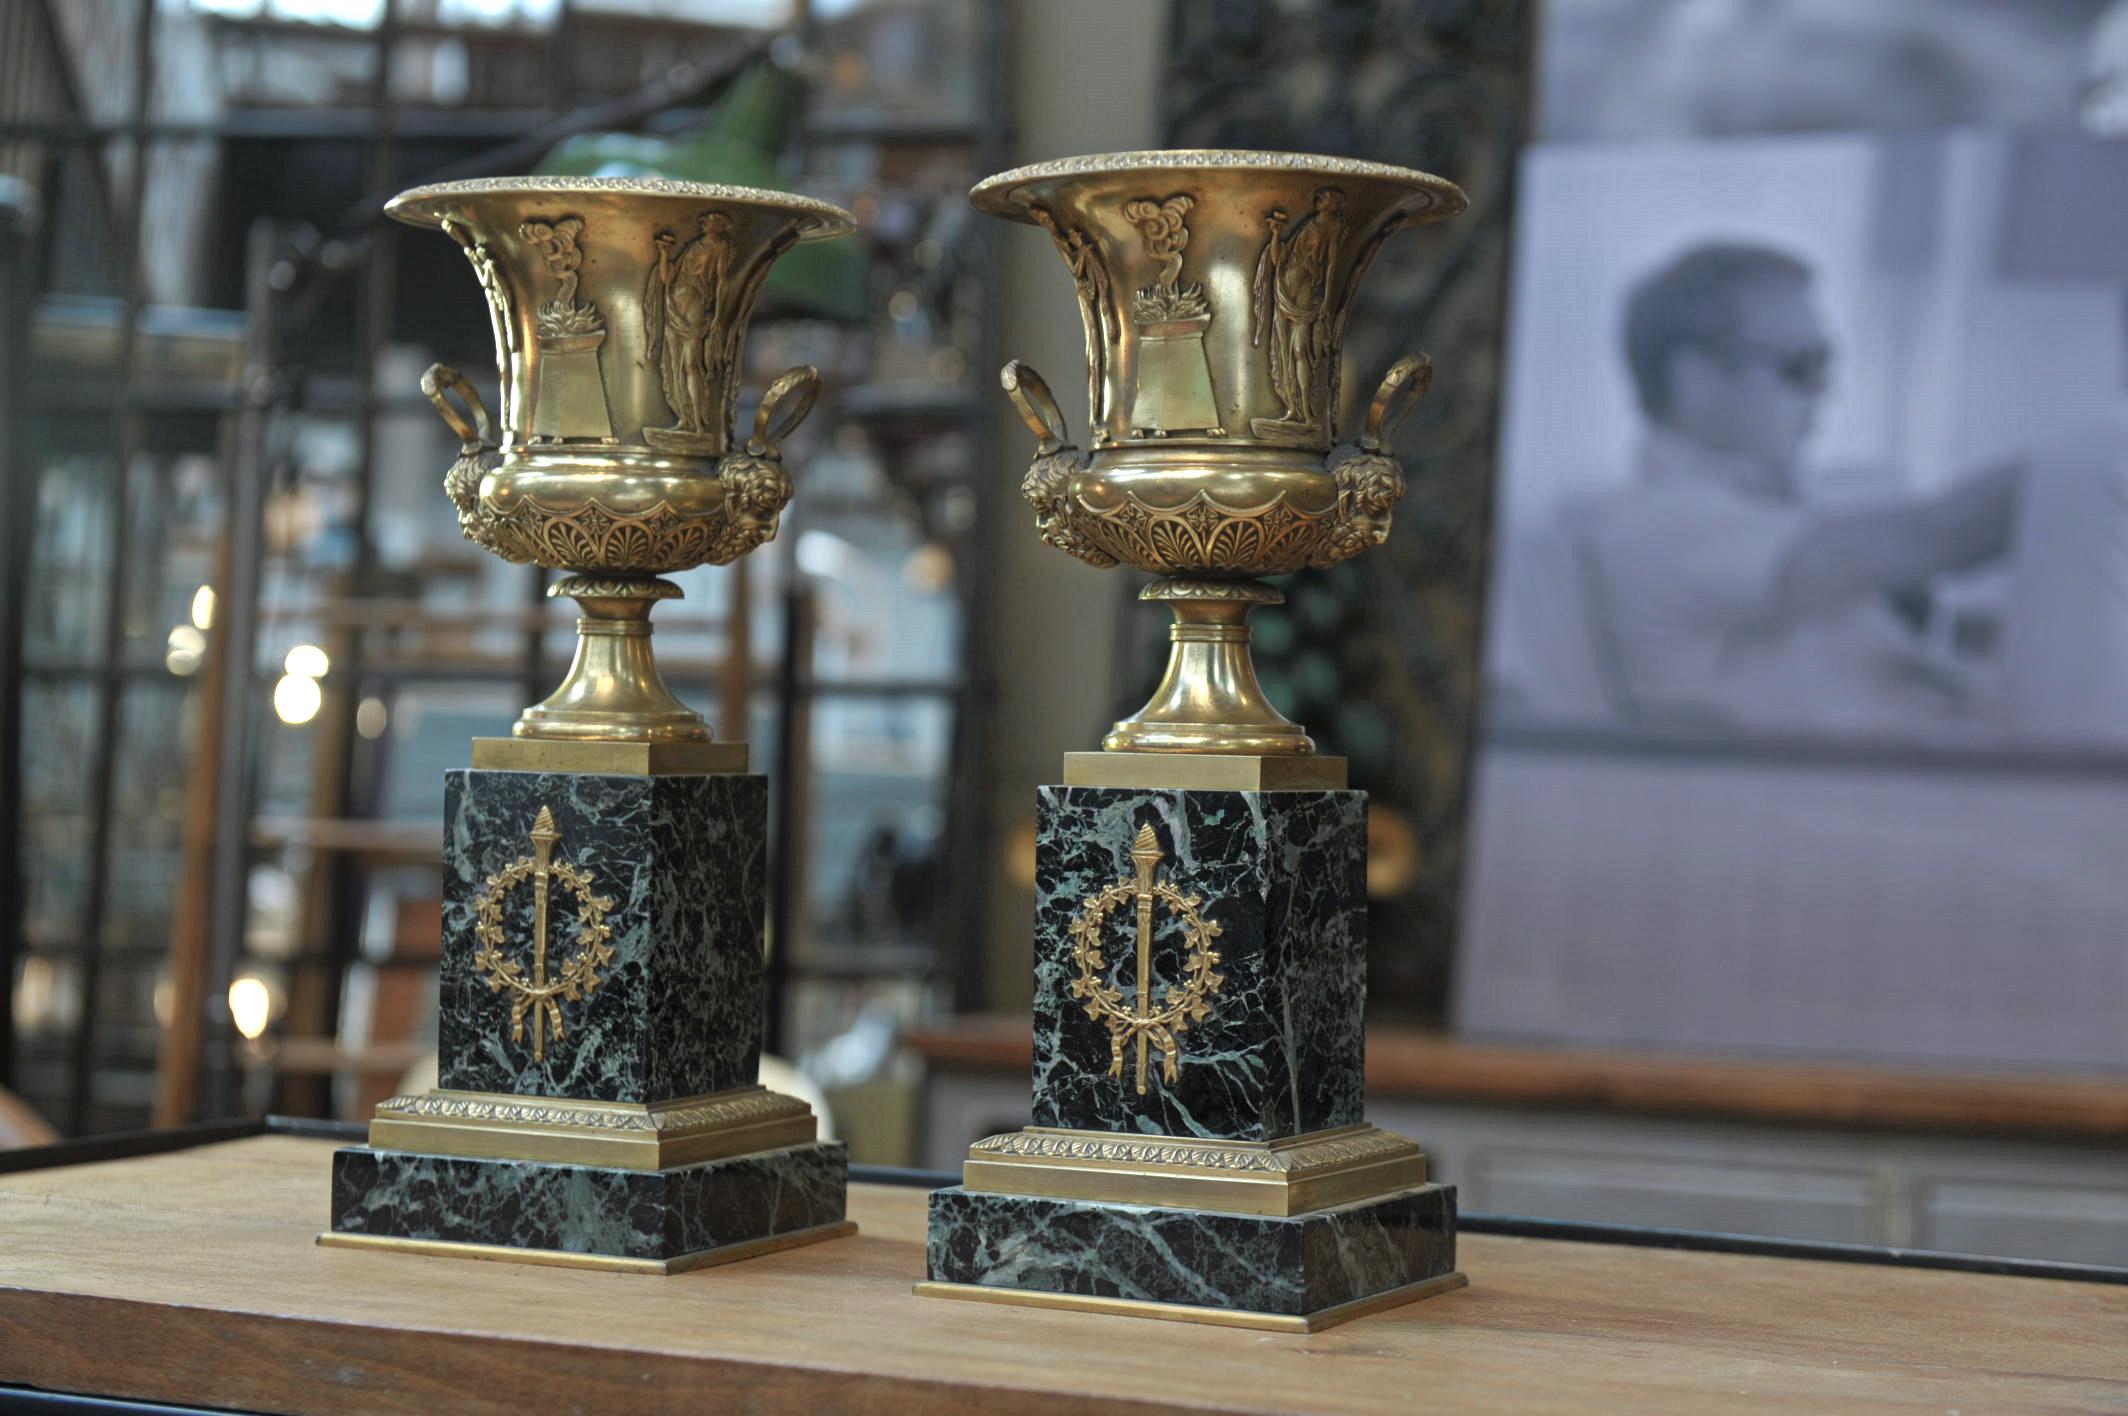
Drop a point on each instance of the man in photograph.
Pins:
(1719, 595)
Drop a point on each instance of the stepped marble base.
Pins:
(659, 1221)
(1293, 1272)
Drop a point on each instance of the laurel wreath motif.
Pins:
(1180, 1005)
(578, 975)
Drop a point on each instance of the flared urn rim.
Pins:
(429, 205)
(619, 308)
(1435, 198)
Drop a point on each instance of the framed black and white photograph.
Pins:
(1806, 709)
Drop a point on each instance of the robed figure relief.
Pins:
(500, 319)
(1173, 389)
(1089, 279)
(1289, 312)
(680, 330)
(569, 397)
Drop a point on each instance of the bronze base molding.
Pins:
(613, 1263)
(1204, 771)
(1312, 1172)
(1186, 1313)
(493, 1126)
(613, 759)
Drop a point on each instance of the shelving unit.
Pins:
(289, 840)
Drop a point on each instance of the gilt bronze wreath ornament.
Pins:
(1181, 1004)
(537, 992)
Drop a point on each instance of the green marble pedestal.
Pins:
(1199, 1147)
(600, 1037)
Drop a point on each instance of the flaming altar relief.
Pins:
(1173, 391)
(569, 399)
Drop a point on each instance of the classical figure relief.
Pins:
(735, 306)
(681, 323)
(1348, 298)
(1289, 312)
(1097, 306)
(1173, 390)
(569, 398)
(500, 322)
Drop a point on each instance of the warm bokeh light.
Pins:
(929, 569)
(296, 699)
(203, 607)
(308, 661)
(372, 718)
(33, 993)
(250, 1005)
(187, 650)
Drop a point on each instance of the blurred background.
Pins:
(1652, 941)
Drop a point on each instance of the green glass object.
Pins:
(742, 144)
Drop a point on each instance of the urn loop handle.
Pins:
(798, 386)
(472, 424)
(1402, 388)
(1037, 405)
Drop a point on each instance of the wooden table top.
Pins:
(192, 1277)
(1426, 1066)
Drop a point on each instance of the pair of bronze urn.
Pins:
(1215, 287)
(1237, 1180)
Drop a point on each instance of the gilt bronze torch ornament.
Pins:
(619, 308)
(1215, 288)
